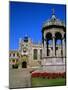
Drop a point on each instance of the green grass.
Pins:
(47, 82)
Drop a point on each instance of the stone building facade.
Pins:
(50, 54)
(28, 54)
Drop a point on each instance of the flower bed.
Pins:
(48, 75)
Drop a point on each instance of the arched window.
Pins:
(17, 54)
(13, 54)
(35, 54)
(40, 53)
(58, 38)
(13, 60)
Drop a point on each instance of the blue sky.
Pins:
(28, 18)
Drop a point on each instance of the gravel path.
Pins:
(19, 78)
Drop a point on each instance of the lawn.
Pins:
(47, 82)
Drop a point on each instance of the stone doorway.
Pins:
(24, 64)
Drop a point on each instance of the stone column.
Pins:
(38, 54)
(53, 36)
(63, 46)
(45, 48)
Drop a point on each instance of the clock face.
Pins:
(24, 49)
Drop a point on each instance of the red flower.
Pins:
(48, 75)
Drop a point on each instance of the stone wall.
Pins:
(54, 64)
(19, 78)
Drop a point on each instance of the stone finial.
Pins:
(53, 15)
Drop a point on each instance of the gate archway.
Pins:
(24, 64)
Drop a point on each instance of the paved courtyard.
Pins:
(19, 78)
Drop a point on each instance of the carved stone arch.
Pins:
(58, 36)
(48, 40)
(58, 42)
(48, 37)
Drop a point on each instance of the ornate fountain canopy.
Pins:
(53, 21)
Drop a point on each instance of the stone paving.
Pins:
(19, 78)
